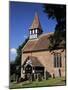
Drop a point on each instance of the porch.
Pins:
(32, 68)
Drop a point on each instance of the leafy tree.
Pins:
(12, 68)
(57, 12)
(18, 57)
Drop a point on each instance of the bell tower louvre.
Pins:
(35, 29)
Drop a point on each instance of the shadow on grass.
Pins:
(27, 83)
(63, 80)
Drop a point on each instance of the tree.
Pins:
(15, 66)
(12, 68)
(12, 71)
(57, 12)
(18, 57)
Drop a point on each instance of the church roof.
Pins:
(36, 23)
(42, 43)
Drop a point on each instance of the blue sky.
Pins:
(21, 17)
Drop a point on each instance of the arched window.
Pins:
(57, 60)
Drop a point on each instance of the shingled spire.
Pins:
(35, 28)
(36, 22)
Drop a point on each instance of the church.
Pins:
(36, 57)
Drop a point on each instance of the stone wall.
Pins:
(46, 58)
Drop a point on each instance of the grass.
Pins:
(43, 83)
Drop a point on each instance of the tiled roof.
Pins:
(36, 23)
(42, 43)
(34, 61)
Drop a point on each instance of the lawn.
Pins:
(43, 83)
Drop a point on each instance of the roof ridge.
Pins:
(45, 34)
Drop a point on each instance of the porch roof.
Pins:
(34, 60)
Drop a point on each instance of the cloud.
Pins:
(13, 51)
(25, 36)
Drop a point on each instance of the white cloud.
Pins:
(13, 51)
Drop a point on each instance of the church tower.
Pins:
(35, 29)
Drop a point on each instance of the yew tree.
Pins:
(57, 12)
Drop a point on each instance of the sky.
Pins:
(21, 15)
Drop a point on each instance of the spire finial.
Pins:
(36, 22)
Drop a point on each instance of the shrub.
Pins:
(39, 77)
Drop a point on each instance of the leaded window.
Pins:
(57, 60)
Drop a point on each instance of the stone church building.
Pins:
(36, 57)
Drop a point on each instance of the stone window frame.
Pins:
(57, 60)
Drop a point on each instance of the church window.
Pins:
(57, 60)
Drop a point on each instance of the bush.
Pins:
(39, 77)
(53, 76)
(17, 78)
(12, 78)
(21, 79)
